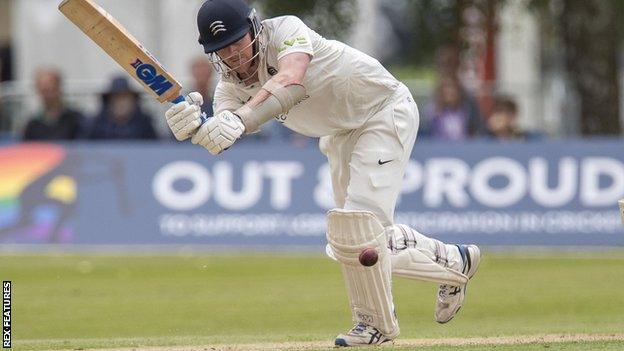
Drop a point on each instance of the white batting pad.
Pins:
(408, 261)
(369, 288)
(413, 264)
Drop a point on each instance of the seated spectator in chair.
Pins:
(55, 121)
(451, 115)
(121, 117)
(503, 122)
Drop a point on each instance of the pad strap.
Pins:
(440, 257)
(409, 261)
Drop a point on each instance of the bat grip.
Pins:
(180, 99)
(203, 118)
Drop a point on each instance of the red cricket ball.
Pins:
(368, 257)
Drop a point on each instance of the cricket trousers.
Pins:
(367, 164)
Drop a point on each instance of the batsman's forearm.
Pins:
(279, 100)
(259, 98)
(282, 79)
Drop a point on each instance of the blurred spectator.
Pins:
(56, 121)
(5, 124)
(448, 61)
(6, 68)
(5, 75)
(201, 70)
(451, 114)
(121, 116)
(503, 122)
(2, 120)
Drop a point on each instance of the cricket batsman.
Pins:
(367, 123)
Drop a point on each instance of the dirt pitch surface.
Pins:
(401, 343)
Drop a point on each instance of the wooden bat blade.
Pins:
(122, 47)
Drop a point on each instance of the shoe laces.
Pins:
(448, 290)
(358, 329)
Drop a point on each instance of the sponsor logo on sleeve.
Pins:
(293, 42)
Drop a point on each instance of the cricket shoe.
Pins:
(361, 335)
(451, 298)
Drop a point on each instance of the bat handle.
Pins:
(203, 117)
(180, 99)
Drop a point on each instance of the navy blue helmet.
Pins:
(223, 22)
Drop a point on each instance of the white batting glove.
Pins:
(185, 117)
(219, 132)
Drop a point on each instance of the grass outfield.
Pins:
(108, 301)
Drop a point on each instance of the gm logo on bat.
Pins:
(149, 75)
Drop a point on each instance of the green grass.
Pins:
(568, 346)
(72, 301)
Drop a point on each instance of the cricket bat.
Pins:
(124, 48)
(621, 203)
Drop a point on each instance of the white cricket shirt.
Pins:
(345, 86)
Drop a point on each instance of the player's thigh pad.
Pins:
(369, 288)
(410, 262)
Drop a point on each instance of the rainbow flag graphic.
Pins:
(32, 196)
